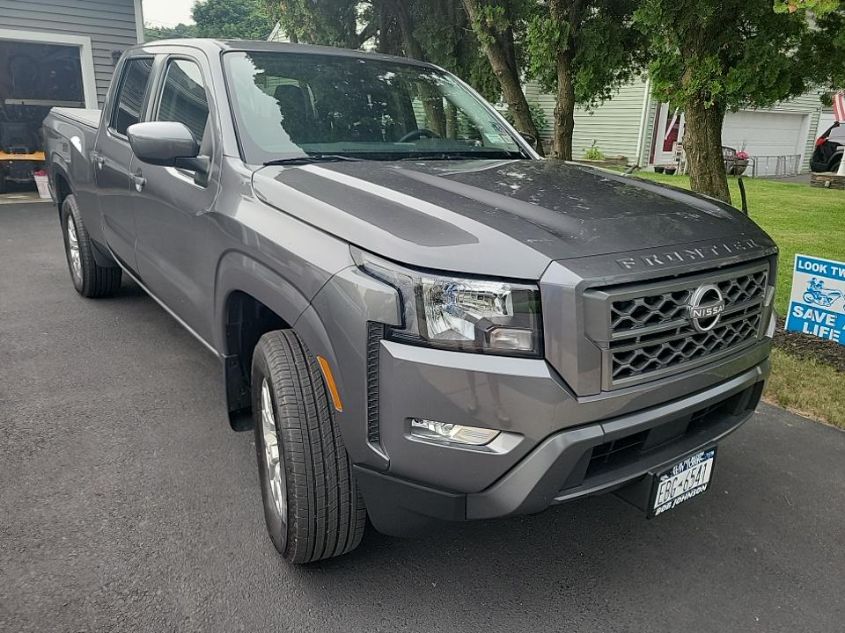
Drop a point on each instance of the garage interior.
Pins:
(33, 78)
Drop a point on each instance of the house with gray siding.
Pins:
(96, 32)
(55, 53)
(635, 125)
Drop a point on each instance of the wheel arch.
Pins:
(252, 300)
(61, 185)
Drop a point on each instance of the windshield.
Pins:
(288, 104)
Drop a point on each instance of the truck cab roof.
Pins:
(211, 46)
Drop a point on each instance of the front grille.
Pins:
(683, 345)
(665, 307)
(649, 332)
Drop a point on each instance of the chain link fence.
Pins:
(775, 166)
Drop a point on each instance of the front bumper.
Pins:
(579, 460)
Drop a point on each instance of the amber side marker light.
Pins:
(327, 374)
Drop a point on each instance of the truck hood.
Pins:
(499, 218)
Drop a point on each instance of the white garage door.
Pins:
(765, 133)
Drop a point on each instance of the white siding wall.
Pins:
(110, 24)
(826, 119)
(614, 125)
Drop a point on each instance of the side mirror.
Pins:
(164, 143)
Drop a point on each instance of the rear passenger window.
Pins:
(130, 94)
(183, 97)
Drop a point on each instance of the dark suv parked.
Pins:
(829, 149)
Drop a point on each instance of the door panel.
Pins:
(112, 160)
(174, 246)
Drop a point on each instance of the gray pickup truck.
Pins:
(421, 319)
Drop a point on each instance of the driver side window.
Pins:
(183, 97)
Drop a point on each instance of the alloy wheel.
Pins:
(73, 251)
(272, 454)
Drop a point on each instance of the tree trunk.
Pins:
(568, 14)
(564, 114)
(431, 97)
(498, 47)
(703, 147)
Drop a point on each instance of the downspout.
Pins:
(643, 119)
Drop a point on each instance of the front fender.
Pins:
(337, 327)
(238, 272)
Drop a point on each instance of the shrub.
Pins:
(593, 153)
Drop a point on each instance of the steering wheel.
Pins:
(416, 135)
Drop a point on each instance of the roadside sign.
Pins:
(817, 303)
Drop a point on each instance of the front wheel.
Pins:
(312, 506)
(89, 278)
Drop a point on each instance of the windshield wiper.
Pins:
(309, 159)
(470, 155)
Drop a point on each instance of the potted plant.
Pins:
(737, 166)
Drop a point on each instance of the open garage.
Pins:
(35, 77)
(54, 53)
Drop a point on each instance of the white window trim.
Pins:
(139, 21)
(86, 56)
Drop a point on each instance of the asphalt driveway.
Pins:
(127, 504)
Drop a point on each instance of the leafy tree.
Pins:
(431, 30)
(233, 19)
(711, 56)
(818, 6)
(326, 22)
(824, 50)
(496, 23)
(582, 50)
(152, 33)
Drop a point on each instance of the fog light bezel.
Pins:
(447, 433)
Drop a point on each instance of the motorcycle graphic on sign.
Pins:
(817, 294)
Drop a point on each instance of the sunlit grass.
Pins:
(795, 384)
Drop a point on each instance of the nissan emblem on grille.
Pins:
(705, 307)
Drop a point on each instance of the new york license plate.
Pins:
(687, 479)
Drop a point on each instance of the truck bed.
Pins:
(89, 117)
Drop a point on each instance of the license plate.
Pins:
(687, 479)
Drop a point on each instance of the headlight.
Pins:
(494, 317)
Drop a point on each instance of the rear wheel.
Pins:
(312, 506)
(89, 278)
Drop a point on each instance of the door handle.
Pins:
(99, 160)
(139, 181)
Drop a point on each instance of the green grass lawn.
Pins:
(800, 218)
(811, 221)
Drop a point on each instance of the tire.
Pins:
(317, 511)
(90, 279)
